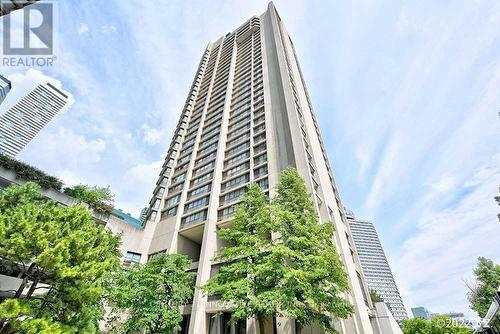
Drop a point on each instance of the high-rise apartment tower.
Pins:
(27, 117)
(375, 266)
(5, 87)
(247, 117)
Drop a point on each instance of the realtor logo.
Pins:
(33, 35)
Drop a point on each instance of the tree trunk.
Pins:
(262, 325)
(25, 277)
(32, 288)
(6, 328)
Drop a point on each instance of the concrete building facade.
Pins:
(248, 116)
(5, 87)
(376, 269)
(388, 325)
(21, 123)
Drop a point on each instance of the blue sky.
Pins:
(407, 96)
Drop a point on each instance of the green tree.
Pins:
(98, 198)
(29, 173)
(243, 279)
(61, 247)
(280, 260)
(487, 282)
(416, 326)
(148, 297)
(375, 297)
(437, 325)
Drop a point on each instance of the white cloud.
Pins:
(139, 179)
(442, 253)
(108, 29)
(79, 151)
(445, 184)
(25, 82)
(413, 137)
(83, 29)
(152, 135)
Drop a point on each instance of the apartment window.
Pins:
(260, 171)
(260, 159)
(259, 148)
(179, 178)
(263, 184)
(206, 158)
(259, 138)
(166, 171)
(213, 121)
(208, 148)
(157, 204)
(189, 142)
(238, 131)
(195, 217)
(259, 113)
(160, 192)
(237, 149)
(172, 200)
(180, 168)
(170, 212)
(311, 168)
(184, 160)
(244, 109)
(133, 257)
(164, 181)
(153, 215)
(233, 195)
(186, 150)
(236, 170)
(201, 179)
(237, 158)
(196, 204)
(239, 123)
(204, 168)
(227, 212)
(170, 162)
(259, 128)
(239, 118)
(241, 138)
(176, 188)
(236, 181)
(200, 190)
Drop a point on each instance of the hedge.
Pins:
(30, 173)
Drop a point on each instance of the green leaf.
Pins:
(148, 297)
(69, 252)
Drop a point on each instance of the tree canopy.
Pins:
(487, 282)
(61, 247)
(437, 325)
(148, 297)
(280, 260)
(98, 198)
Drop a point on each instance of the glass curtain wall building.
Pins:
(375, 266)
